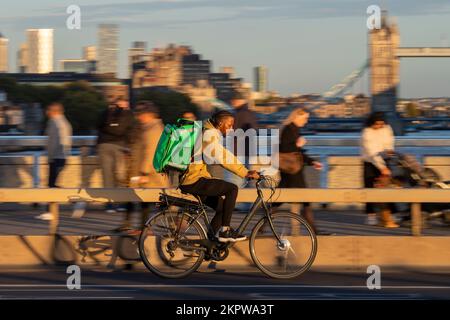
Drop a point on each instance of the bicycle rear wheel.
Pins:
(290, 258)
(171, 244)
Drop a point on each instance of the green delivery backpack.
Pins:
(176, 145)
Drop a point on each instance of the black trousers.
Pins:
(371, 173)
(218, 195)
(55, 168)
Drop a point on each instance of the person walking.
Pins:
(59, 144)
(376, 137)
(245, 119)
(292, 142)
(114, 131)
(145, 140)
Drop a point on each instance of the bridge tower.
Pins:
(384, 70)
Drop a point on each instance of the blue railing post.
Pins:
(324, 172)
(36, 169)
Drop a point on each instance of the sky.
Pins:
(307, 45)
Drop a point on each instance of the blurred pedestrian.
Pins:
(377, 137)
(59, 144)
(114, 130)
(141, 171)
(291, 142)
(245, 119)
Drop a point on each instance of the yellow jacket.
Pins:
(212, 150)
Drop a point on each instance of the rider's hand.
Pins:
(301, 141)
(385, 172)
(252, 175)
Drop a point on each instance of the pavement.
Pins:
(50, 283)
(19, 219)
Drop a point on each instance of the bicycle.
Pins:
(174, 243)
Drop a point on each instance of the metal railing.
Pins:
(322, 147)
(121, 195)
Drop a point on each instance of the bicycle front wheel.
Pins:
(171, 244)
(292, 255)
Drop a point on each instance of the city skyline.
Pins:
(300, 61)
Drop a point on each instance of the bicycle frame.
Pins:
(258, 203)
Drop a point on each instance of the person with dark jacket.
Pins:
(114, 131)
(245, 119)
(292, 141)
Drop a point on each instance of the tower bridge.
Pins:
(384, 54)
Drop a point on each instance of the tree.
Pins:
(171, 104)
(83, 106)
(82, 102)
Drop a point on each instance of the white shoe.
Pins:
(45, 216)
(371, 220)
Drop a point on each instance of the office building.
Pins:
(39, 50)
(195, 69)
(137, 54)
(108, 48)
(90, 53)
(22, 58)
(4, 64)
(260, 74)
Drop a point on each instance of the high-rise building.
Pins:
(195, 69)
(90, 53)
(137, 53)
(40, 50)
(260, 79)
(4, 65)
(22, 58)
(108, 48)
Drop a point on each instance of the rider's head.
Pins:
(222, 120)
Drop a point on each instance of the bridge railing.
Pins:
(120, 195)
(322, 147)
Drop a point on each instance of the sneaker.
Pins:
(371, 220)
(47, 216)
(230, 236)
(121, 208)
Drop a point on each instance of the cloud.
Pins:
(169, 13)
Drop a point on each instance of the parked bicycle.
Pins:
(174, 243)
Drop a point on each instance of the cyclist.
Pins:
(216, 193)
